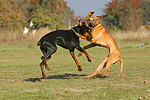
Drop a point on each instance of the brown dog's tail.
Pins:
(121, 67)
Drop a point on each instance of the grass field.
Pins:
(20, 74)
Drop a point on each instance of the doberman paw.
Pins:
(44, 77)
(48, 68)
(89, 60)
(79, 68)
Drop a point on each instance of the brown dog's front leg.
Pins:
(76, 61)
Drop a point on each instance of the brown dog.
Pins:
(102, 38)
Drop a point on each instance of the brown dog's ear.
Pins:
(99, 17)
(80, 22)
(90, 14)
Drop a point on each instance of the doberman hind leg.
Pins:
(42, 69)
(45, 58)
(76, 61)
(46, 66)
(99, 68)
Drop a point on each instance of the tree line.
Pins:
(119, 14)
(127, 14)
(15, 14)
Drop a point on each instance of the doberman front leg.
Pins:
(76, 61)
(87, 55)
(87, 47)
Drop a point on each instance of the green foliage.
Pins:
(123, 14)
(11, 14)
(15, 14)
(49, 13)
(145, 6)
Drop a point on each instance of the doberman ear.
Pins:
(90, 14)
(80, 22)
(99, 17)
(83, 23)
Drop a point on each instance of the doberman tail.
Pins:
(39, 43)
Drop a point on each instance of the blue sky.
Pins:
(83, 7)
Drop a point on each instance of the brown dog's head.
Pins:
(93, 21)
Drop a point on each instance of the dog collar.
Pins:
(74, 32)
(97, 24)
(79, 35)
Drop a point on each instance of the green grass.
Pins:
(20, 74)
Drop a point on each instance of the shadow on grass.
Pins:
(64, 76)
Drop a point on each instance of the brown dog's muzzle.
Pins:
(91, 24)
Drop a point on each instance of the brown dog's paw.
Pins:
(99, 75)
(80, 54)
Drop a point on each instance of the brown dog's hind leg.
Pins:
(111, 59)
(99, 68)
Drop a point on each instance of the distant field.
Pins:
(20, 74)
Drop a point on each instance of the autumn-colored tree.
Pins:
(11, 14)
(51, 13)
(123, 14)
(15, 14)
(133, 18)
(145, 6)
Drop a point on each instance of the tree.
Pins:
(49, 13)
(145, 6)
(11, 15)
(123, 14)
(15, 14)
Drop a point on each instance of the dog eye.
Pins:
(94, 20)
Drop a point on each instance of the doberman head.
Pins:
(83, 31)
(93, 21)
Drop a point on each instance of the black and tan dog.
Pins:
(68, 39)
(102, 38)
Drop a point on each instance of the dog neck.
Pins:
(75, 32)
(96, 25)
(79, 35)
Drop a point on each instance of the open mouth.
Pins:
(90, 27)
